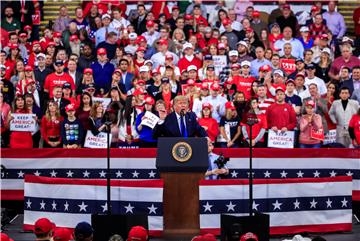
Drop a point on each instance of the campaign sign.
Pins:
(98, 141)
(220, 62)
(288, 65)
(23, 122)
(317, 134)
(104, 101)
(281, 139)
(330, 137)
(150, 120)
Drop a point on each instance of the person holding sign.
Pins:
(20, 139)
(96, 122)
(71, 129)
(311, 127)
(142, 124)
(281, 115)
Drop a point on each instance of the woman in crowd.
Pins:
(50, 126)
(87, 79)
(128, 136)
(145, 132)
(72, 131)
(199, 98)
(310, 123)
(210, 125)
(139, 58)
(258, 129)
(211, 77)
(96, 120)
(229, 89)
(264, 38)
(34, 109)
(275, 34)
(19, 139)
(331, 95)
(118, 56)
(83, 112)
(165, 93)
(323, 68)
(21, 83)
(354, 129)
(229, 127)
(19, 72)
(213, 50)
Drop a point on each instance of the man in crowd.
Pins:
(346, 59)
(259, 61)
(297, 47)
(102, 71)
(335, 21)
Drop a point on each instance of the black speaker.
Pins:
(233, 227)
(107, 225)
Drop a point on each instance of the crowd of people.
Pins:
(104, 69)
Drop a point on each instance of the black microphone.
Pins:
(182, 113)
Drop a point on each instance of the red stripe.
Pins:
(97, 182)
(152, 152)
(319, 228)
(152, 233)
(274, 181)
(12, 194)
(356, 195)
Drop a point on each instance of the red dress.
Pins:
(21, 139)
(212, 125)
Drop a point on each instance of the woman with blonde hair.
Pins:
(229, 127)
(174, 83)
(87, 79)
(50, 126)
(96, 120)
(323, 68)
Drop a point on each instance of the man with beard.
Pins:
(86, 57)
(36, 49)
(9, 23)
(243, 49)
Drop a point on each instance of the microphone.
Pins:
(182, 113)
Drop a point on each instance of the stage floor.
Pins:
(14, 230)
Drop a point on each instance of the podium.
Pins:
(181, 163)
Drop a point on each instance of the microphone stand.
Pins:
(108, 174)
(251, 120)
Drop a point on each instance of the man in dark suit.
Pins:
(140, 22)
(355, 78)
(126, 78)
(61, 102)
(181, 122)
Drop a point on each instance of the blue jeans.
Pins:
(309, 145)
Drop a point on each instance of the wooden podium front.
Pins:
(181, 203)
(181, 183)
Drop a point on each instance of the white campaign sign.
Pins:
(23, 122)
(150, 120)
(220, 62)
(104, 101)
(330, 137)
(98, 141)
(281, 139)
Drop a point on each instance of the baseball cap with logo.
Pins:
(187, 45)
(163, 42)
(279, 72)
(101, 51)
(221, 46)
(66, 85)
(149, 100)
(265, 68)
(137, 233)
(74, 37)
(27, 27)
(326, 50)
(229, 105)
(28, 68)
(133, 36)
(144, 68)
(279, 89)
(304, 29)
(243, 43)
(59, 62)
(204, 86)
(84, 229)
(310, 103)
(57, 35)
(43, 225)
(70, 107)
(190, 82)
(29, 82)
(256, 14)
(191, 67)
(235, 66)
(88, 71)
(150, 23)
(245, 63)
(139, 91)
(249, 236)
(105, 16)
(165, 80)
(206, 105)
(215, 86)
(233, 53)
(226, 21)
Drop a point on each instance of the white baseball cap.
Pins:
(326, 50)
(191, 67)
(105, 16)
(40, 55)
(187, 45)
(233, 53)
(279, 72)
(304, 29)
(242, 42)
(132, 36)
(144, 68)
(245, 63)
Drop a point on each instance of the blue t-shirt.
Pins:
(293, 100)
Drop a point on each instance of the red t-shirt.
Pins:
(244, 85)
(281, 115)
(262, 123)
(212, 125)
(355, 123)
(53, 80)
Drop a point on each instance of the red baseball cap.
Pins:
(35, 42)
(70, 107)
(311, 103)
(27, 27)
(51, 43)
(57, 35)
(190, 82)
(23, 35)
(249, 30)
(256, 14)
(28, 68)
(141, 81)
(209, 237)
(150, 23)
(29, 82)
(215, 86)
(221, 46)
(169, 56)
(265, 68)
(13, 46)
(149, 100)
(188, 17)
(138, 91)
(74, 37)
(117, 71)
(206, 105)
(229, 81)
(175, 7)
(279, 89)
(226, 21)
(300, 75)
(141, 49)
(140, 38)
(324, 36)
(235, 65)
(137, 233)
(248, 236)
(163, 42)
(314, 9)
(62, 234)
(88, 71)
(5, 237)
(229, 105)
(204, 86)
(101, 51)
(197, 238)
(44, 225)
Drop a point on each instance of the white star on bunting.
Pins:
(135, 174)
(86, 173)
(332, 173)
(344, 203)
(277, 205)
(152, 209)
(316, 173)
(28, 203)
(42, 205)
(283, 174)
(267, 174)
(69, 173)
(296, 204)
(231, 207)
(118, 174)
(300, 174)
(20, 174)
(102, 173)
(129, 208)
(254, 206)
(82, 207)
(207, 207)
(53, 173)
(37, 173)
(328, 203)
(54, 204)
(66, 206)
(349, 173)
(104, 207)
(152, 174)
(234, 174)
(313, 203)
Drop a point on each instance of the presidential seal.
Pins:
(182, 152)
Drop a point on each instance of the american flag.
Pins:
(294, 205)
(140, 164)
(67, 202)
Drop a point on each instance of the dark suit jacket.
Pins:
(125, 87)
(141, 27)
(29, 6)
(170, 127)
(63, 104)
(78, 78)
(348, 83)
